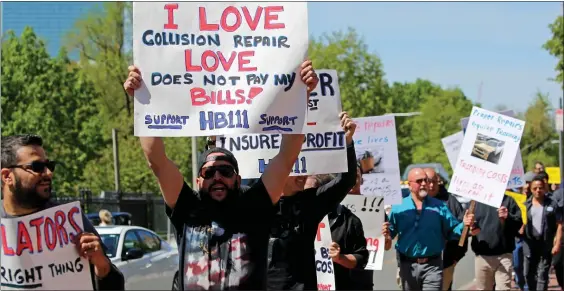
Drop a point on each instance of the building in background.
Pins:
(51, 21)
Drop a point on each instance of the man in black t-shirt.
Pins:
(291, 259)
(222, 232)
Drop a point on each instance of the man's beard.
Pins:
(423, 193)
(28, 197)
(230, 195)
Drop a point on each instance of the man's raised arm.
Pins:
(278, 170)
(168, 175)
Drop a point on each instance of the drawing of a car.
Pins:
(488, 149)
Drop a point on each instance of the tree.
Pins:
(555, 47)
(103, 41)
(53, 98)
(360, 72)
(538, 133)
(440, 116)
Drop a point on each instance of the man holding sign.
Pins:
(292, 262)
(26, 186)
(423, 225)
(222, 231)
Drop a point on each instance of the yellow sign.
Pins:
(520, 199)
(553, 175)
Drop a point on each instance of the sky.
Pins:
(454, 44)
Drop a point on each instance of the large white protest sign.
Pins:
(323, 263)
(324, 149)
(38, 253)
(377, 152)
(486, 157)
(370, 211)
(517, 178)
(213, 68)
(452, 144)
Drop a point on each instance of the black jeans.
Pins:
(558, 263)
(537, 266)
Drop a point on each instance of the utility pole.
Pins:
(561, 148)
(116, 159)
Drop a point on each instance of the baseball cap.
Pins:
(227, 156)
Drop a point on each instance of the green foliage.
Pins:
(51, 97)
(555, 47)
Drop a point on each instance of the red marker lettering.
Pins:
(170, 24)
(269, 17)
(253, 23)
(72, 221)
(8, 251)
(321, 225)
(210, 61)
(60, 228)
(50, 233)
(204, 26)
(225, 14)
(24, 241)
(37, 222)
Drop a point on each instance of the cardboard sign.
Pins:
(212, 68)
(370, 211)
(377, 153)
(517, 178)
(323, 263)
(486, 158)
(324, 150)
(452, 144)
(38, 253)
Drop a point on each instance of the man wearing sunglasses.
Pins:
(222, 231)
(423, 225)
(26, 186)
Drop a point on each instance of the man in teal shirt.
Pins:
(423, 225)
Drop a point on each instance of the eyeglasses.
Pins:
(224, 170)
(419, 181)
(37, 166)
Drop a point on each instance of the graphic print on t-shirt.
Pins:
(214, 259)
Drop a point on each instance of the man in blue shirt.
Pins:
(423, 225)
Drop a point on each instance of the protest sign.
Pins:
(517, 178)
(323, 263)
(324, 141)
(520, 200)
(38, 253)
(213, 68)
(370, 211)
(452, 145)
(553, 175)
(486, 157)
(377, 153)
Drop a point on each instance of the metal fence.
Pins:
(147, 210)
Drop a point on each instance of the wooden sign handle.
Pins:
(471, 209)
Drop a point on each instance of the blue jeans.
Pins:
(518, 265)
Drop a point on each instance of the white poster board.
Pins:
(324, 150)
(452, 144)
(517, 178)
(486, 157)
(370, 211)
(38, 253)
(323, 263)
(377, 152)
(212, 68)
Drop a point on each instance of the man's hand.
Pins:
(133, 81)
(502, 213)
(348, 126)
(555, 249)
(89, 247)
(334, 251)
(309, 77)
(468, 219)
(386, 229)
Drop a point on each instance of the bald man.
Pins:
(452, 253)
(423, 225)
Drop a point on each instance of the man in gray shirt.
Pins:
(542, 235)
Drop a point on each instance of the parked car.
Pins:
(146, 261)
(118, 218)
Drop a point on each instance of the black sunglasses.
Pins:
(224, 170)
(37, 166)
(419, 181)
